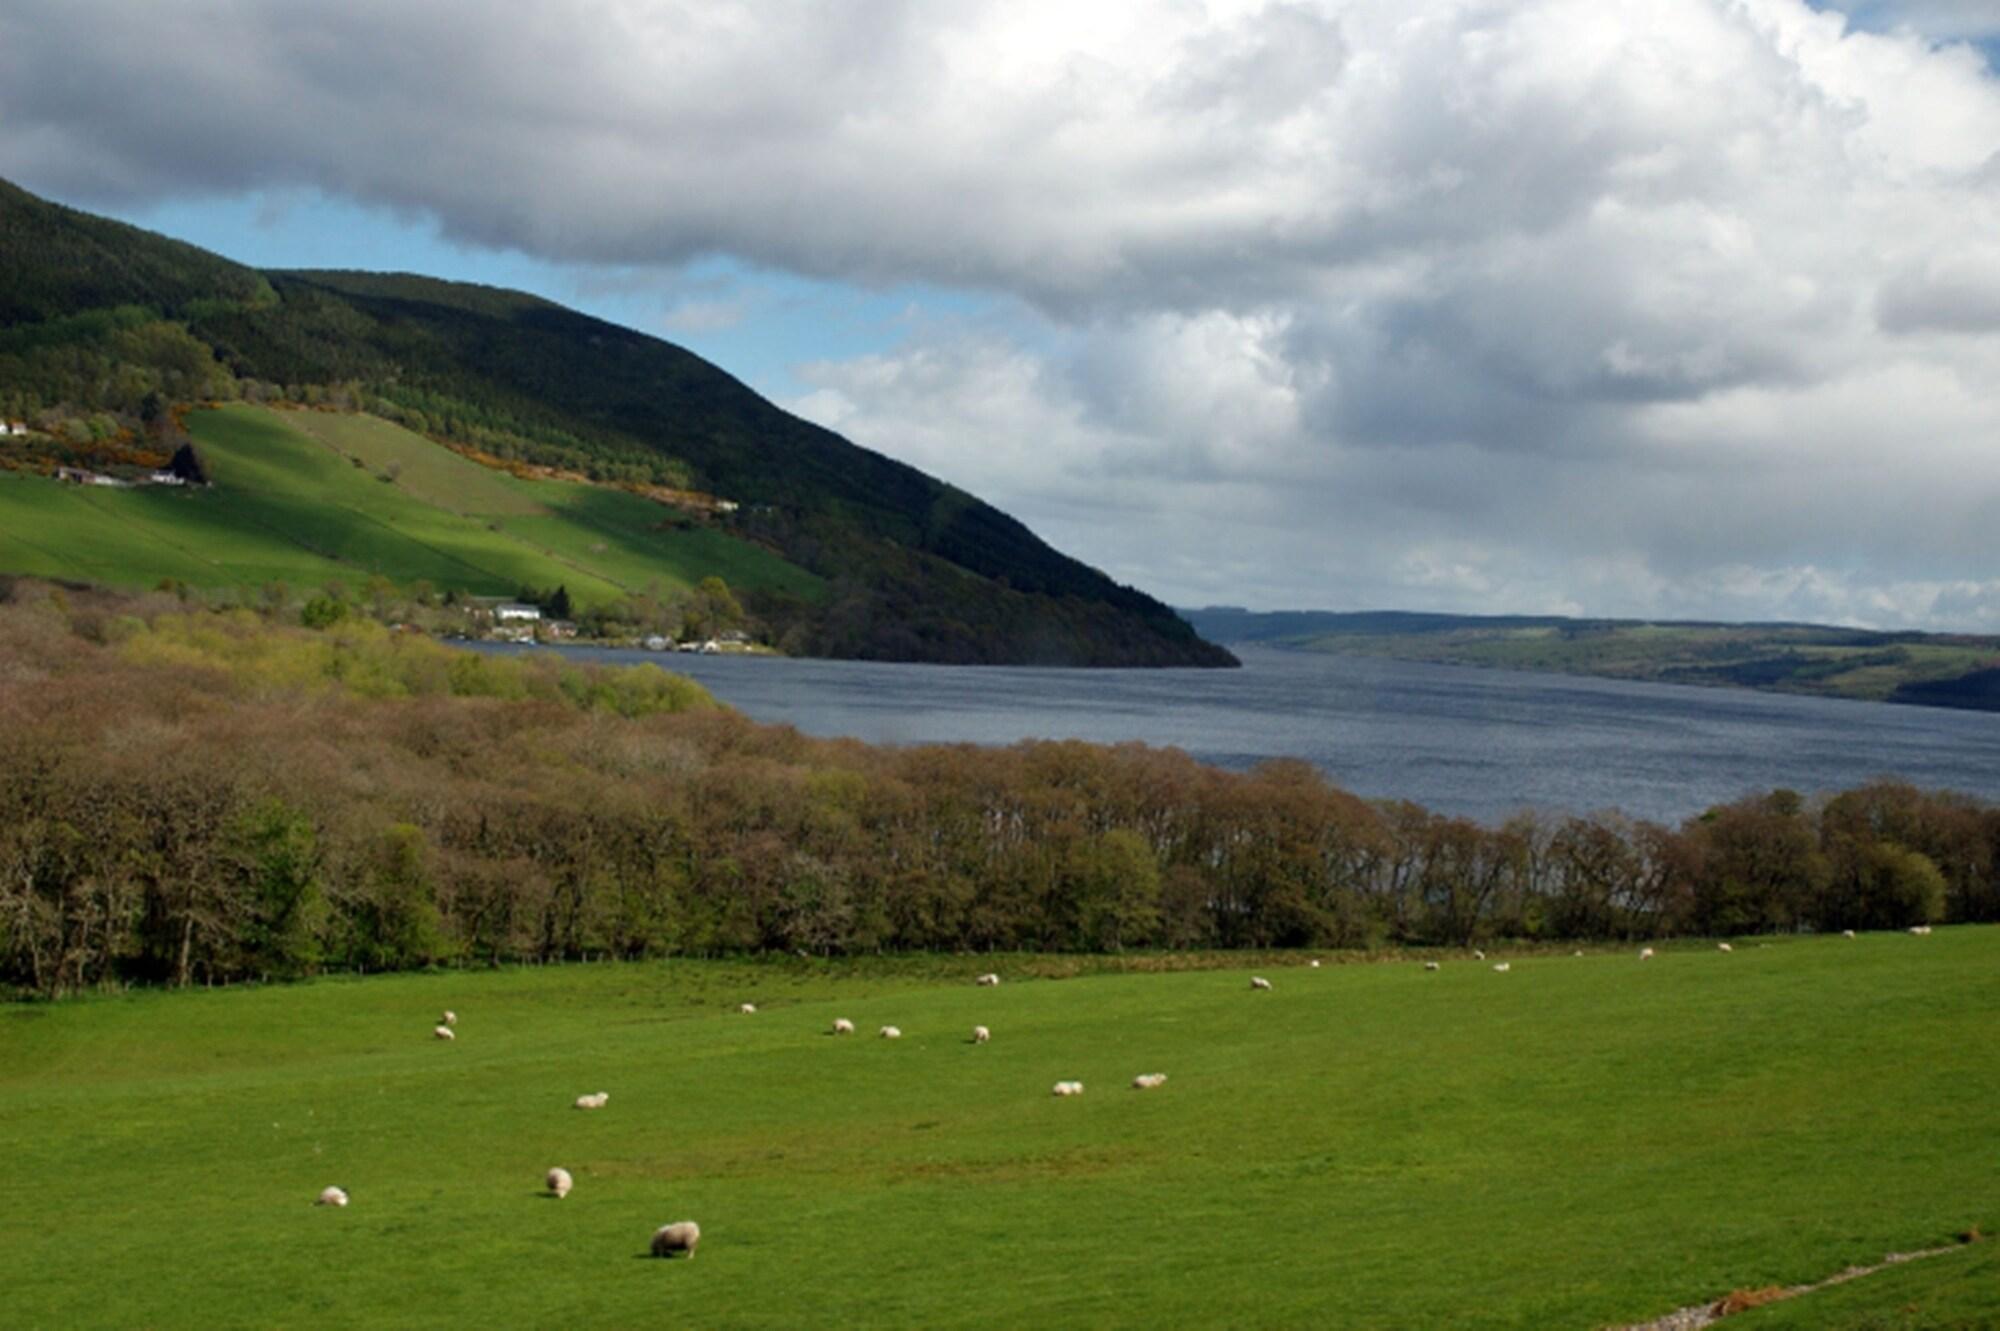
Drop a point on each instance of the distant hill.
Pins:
(1930, 669)
(106, 328)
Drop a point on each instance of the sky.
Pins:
(1669, 308)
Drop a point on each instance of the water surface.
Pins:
(1460, 740)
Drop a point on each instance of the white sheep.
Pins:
(892, 1032)
(1068, 1088)
(443, 1033)
(559, 1182)
(1146, 1081)
(988, 979)
(1430, 965)
(449, 1018)
(331, 1197)
(1724, 947)
(980, 1035)
(1259, 982)
(747, 1009)
(1645, 954)
(681, 1236)
(1503, 966)
(596, 1101)
(1920, 929)
(1847, 933)
(1477, 955)
(1314, 963)
(842, 1026)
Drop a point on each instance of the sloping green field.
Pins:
(1579, 1142)
(305, 497)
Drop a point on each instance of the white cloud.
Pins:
(1619, 306)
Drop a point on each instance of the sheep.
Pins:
(559, 1182)
(989, 979)
(1920, 929)
(1314, 963)
(1847, 933)
(331, 1197)
(980, 1035)
(449, 1018)
(1503, 966)
(892, 1032)
(1259, 982)
(1645, 954)
(1147, 1081)
(748, 1009)
(1724, 947)
(1430, 965)
(1577, 953)
(443, 1033)
(1477, 955)
(596, 1101)
(842, 1026)
(1068, 1088)
(680, 1236)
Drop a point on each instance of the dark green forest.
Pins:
(191, 796)
(105, 330)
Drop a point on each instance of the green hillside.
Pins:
(104, 327)
(1582, 1142)
(306, 497)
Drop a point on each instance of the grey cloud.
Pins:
(1629, 307)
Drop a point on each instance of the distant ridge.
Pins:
(1928, 669)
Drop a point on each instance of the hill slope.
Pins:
(101, 322)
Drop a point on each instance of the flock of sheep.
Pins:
(683, 1236)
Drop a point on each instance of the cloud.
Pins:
(1618, 306)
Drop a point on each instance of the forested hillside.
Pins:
(106, 330)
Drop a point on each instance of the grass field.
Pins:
(1580, 1142)
(301, 497)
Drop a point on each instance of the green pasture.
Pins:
(306, 497)
(1576, 1143)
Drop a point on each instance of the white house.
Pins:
(515, 610)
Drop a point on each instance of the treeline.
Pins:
(189, 798)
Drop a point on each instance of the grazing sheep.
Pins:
(1724, 947)
(678, 1237)
(1645, 954)
(842, 1026)
(1847, 933)
(988, 979)
(1430, 965)
(747, 1009)
(559, 1182)
(1577, 953)
(892, 1032)
(449, 1018)
(1920, 929)
(331, 1197)
(1068, 1088)
(596, 1101)
(1146, 1081)
(1259, 982)
(443, 1033)
(1503, 966)
(1314, 963)
(1477, 955)
(980, 1035)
